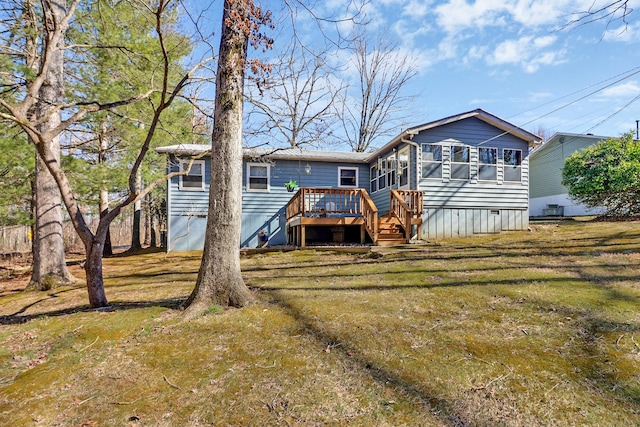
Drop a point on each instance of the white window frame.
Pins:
(382, 174)
(506, 165)
(439, 162)
(467, 163)
(344, 168)
(183, 167)
(373, 178)
(491, 165)
(248, 178)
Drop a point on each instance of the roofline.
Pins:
(279, 154)
(530, 138)
(558, 135)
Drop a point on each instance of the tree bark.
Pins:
(104, 209)
(104, 194)
(49, 265)
(220, 278)
(137, 214)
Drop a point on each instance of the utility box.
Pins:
(553, 210)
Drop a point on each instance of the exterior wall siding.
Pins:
(261, 211)
(265, 211)
(462, 208)
(187, 210)
(546, 166)
(444, 223)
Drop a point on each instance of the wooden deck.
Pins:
(340, 210)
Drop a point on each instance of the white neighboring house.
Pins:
(547, 195)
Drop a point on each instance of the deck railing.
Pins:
(405, 205)
(335, 202)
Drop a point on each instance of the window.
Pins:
(431, 161)
(391, 171)
(382, 174)
(194, 180)
(512, 165)
(403, 169)
(487, 164)
(348, 177)
(257, 177)
(374, 178)
(460, 167)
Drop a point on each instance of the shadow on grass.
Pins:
(14, 319)
(471, 253)
(594, 362)
(441, 408)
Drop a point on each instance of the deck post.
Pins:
(363, 233)
(303, 236)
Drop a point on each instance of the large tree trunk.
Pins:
(220, 278)
(49, 266)
(93, 271)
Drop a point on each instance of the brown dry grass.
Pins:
(517, 329)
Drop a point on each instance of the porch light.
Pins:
(307, 169)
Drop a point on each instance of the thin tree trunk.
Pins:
(135, 226)
(220, 278)
(104, 209)
(147, 220)
(49, 265)
(104, 194)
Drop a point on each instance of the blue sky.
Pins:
(517, 59)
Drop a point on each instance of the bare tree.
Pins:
(20, 108)
(375, 103)
(617, 10)
(220, 278)
(295, 104)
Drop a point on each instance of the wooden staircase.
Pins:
(390, 231)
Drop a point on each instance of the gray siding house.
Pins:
(547, 195)
(459, 176)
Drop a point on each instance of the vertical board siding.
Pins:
(449, 223)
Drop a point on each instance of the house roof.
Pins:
(343, 156)
(272, 153)
(558, 138)
(477, 113)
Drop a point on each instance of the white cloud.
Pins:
(458, 15)
(416, 9)
(528, 52)
(625, 33)
(627, 89)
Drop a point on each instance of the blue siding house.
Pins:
(459, 176)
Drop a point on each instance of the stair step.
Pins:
(389, 236)
(391, 242)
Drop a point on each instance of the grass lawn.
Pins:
(537, 328)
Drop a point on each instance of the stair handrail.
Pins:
(399, 208)
(369, 213)
(295, 206)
